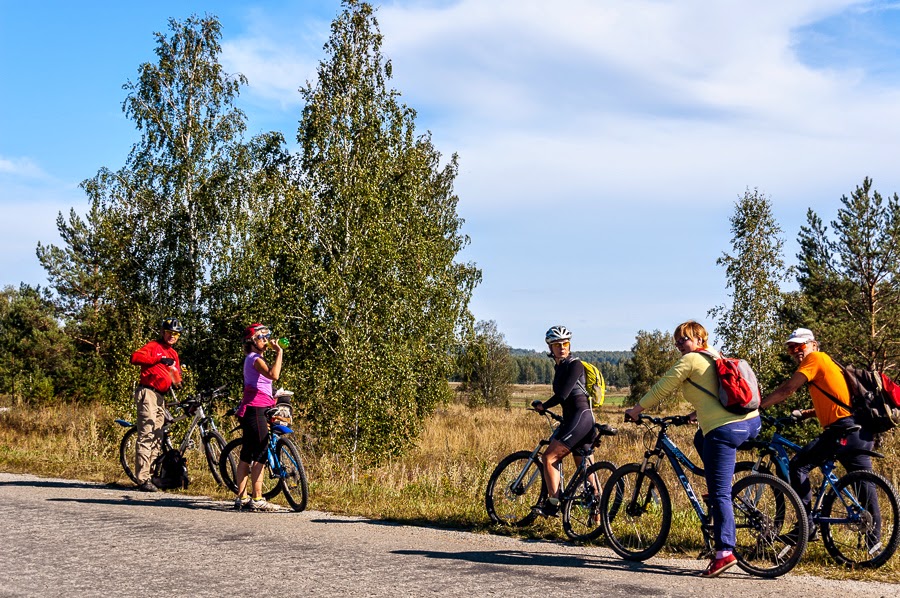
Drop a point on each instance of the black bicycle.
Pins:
(857, 514)
(517, 485)
(193, 408)
(636, 509)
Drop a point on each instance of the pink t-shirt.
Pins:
(257, 388)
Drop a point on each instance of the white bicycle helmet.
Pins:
(557, 334)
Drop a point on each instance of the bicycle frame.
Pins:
(275, 432)
(777, 451)
(665, 447)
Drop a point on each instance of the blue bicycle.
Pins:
(636, 509)
(856, 514)
(284, 468)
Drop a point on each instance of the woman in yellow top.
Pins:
(720, 433)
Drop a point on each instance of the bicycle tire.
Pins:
(636, 512)
(213, 445)
(128, 452)
(861, 542)
(511, 506)
(770, 525)
(232, 451)
(294, 484)
(581, 510)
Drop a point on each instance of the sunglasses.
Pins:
(173, 334)
(682, 340)
(794, 349)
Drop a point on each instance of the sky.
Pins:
(602, 144)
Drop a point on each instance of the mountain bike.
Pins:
(856, 514)
(283, 468)
(517, 485)
(201, 422)
(636, 509)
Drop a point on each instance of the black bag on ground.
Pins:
(170, 470)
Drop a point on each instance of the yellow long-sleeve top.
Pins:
(699, 368)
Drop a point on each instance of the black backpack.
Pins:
(169, 470)
(873, 398)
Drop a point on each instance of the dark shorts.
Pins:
(255, 428)
(577, 432)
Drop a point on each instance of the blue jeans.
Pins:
(718, 449)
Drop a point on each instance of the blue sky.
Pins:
(602, 145)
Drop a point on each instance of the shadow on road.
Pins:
(535, 559)
(59, 484)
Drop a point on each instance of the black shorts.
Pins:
(255, 428)
(577, 433)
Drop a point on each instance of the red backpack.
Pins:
(738, 388)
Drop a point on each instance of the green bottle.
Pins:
(284, 343)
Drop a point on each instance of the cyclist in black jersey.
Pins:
(576, 429)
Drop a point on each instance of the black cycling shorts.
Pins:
(577, 432)
(255, 428)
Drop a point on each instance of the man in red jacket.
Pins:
(160, 369)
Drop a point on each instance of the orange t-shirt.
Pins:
(818, 367)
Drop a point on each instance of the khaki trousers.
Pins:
(151, 410)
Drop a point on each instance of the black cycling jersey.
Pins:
(567, 390)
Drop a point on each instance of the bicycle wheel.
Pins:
(293, 484)
(515, 486)
(865, 507)
(231, 454)
(636, 512)
(128, 452)
(581, 508)
(213, 445)
(766, 510)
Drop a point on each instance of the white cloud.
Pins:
(20, 167)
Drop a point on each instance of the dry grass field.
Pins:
(440, 482)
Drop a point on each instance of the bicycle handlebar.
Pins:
(669, 420)
(548, 413)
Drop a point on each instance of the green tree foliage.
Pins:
(654, 353)
(36, 361)
(364, 251)
(154, 238)
(533, 367)
(750, 327)
(850, 280)
(487, 367)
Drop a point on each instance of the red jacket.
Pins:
(155, 374)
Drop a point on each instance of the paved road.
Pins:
(70, 538)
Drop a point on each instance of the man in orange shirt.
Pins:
(822, 374)
(160, 369)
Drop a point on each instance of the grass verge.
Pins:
(440, 482)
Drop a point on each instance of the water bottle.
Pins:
(284, 343)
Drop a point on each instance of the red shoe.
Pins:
(718, 566)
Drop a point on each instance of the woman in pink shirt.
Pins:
(258, 398)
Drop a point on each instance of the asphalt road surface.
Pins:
(71, 538)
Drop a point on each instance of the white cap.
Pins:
(800, 336)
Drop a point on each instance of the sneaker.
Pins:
(717, 567)
(263, 506)
(241, 503)
(547, 508)
(148, 486)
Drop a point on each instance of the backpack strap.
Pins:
(703, 389)
(833, 398)
(706, 390)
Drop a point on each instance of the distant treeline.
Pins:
(533, 367)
